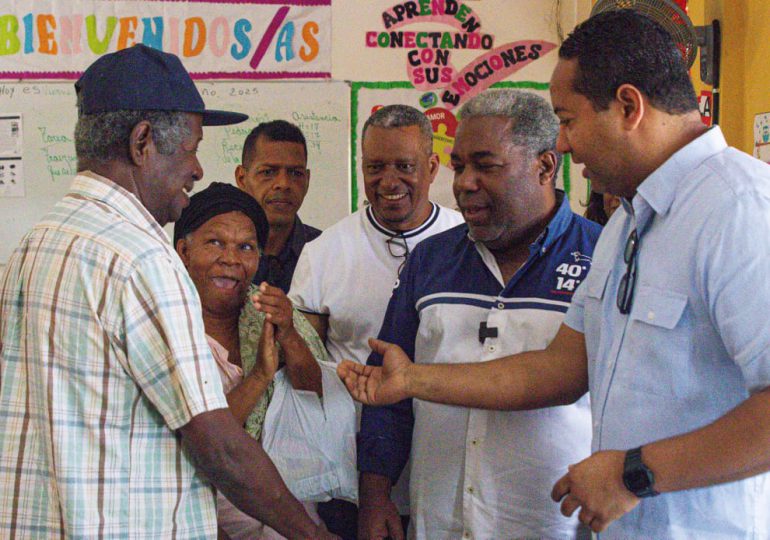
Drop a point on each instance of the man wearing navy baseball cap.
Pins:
(113, 422)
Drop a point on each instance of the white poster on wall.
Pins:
(450, 42)
(48, 112)
(11, 170)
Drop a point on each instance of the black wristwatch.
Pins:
(637, 477)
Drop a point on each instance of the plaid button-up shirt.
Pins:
(103, 356)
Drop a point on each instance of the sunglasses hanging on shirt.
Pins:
(398, 248)
(626, 288)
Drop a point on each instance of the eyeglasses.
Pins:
(627, 282)
(397, 247)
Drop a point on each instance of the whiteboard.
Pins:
(48, 116)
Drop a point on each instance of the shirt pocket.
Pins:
(595, 283)
(657, 345)
(592, 290)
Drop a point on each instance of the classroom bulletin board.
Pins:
(269, 59)
(47, 116)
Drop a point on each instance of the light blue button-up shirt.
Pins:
(697, 340)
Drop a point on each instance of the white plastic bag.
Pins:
(312, 441)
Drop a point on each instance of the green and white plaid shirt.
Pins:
(103, 356)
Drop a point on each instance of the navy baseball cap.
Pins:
(141, 78)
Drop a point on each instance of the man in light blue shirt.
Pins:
(669, 331)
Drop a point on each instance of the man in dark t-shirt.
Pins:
(274, 171)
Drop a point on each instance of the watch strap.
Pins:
(637, 477)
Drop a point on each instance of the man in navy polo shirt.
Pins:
(498, 284)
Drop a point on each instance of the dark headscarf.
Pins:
(220, 198)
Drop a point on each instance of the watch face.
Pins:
(636, 480)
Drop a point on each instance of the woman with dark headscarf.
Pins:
(219, 237)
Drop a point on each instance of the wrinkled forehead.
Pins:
(380, 141)
(231, 223)
(291, 153)
(482, 134)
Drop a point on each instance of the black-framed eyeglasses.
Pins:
(397, 247)
(627, 282)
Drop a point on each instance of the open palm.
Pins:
(374, 385)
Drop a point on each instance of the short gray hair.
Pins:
(533, 123)
(398, 116)
(104, 137)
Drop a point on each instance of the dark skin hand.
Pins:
(243, 398)
(302, 369)
(378, 517)
(595, 486)
(237, 466)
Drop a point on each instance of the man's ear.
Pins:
(140, 142)
(183, 251)
(632, 105)
(240, 174)
(433, 166)
(546, 163)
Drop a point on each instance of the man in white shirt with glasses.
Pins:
(344, 278)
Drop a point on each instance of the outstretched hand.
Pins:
(374, 385)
